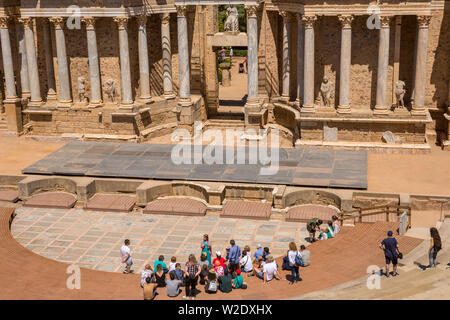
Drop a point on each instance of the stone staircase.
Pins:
(219, 123)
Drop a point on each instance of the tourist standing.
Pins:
(223, 52)
(246, 65)
(206, 248)
(125, 251)
(292, 254)
(435, 246)
(390, 248)
(191, 272)
(231, 53)
(233, 256)
(336, 225)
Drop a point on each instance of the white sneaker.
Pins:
(193, 298)
(184, 297)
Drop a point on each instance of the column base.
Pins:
(35, 103)
(284, 98)
(13, 110)
(51, 95)
(185, 111)
(255, 115)
(382, 110)
(343, 109)
(64, 104)
(169, 95)
(308, 109)
(146, 99)
(418, 112)
(26, 95)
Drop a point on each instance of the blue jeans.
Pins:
(295, 274)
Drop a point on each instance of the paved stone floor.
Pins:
(93, 239)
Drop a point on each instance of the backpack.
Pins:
(212, 286)
(298, 260)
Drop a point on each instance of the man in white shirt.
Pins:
(147, 272)
(126, 256)
(268, 271)
(246, 262)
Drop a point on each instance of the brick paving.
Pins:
(176, 206)
(51, 200)
(246, 209)
(31, 276)
(304, 213)
(111, 202)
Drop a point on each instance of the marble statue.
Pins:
(400, 93)
(326, 88)
(111, 90)
(232, 22)
(82, 90)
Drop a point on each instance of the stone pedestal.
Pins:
(226, 82)
(13, 109)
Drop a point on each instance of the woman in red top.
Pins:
(220, 259)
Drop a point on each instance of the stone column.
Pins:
(381, 106)
(308, 74)
(166, 56)
(127, 96)
(51, 83)
(183, 55)
(300, 59)
(144, 69)
(420, 75)
(94, 69)
(397, 44)
(23, 65)
(11, 92)
(286, 67)
(346, 57)
(33, 72)
(252, 32)
(65, 96)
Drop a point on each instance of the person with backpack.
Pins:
(435, 246)
(211, 283)
(246, 262)
(191, 272)
(234, 254)
(294, 262)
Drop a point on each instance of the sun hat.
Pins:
(259, 246)
(218, 253)
(238, 271)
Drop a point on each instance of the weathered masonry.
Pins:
(351, 74)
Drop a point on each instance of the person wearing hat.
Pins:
(258, 253)
(220, 259)
(391, 251)
(238, 280)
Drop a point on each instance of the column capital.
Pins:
(309, 20)
(385, 21)
(122, 22)
(90, 22)
(286, 15)
(423, 21)
(181, 11)
(346, 21)
(142, 20)
(165, 18)
(27, 22)
(251, 11)
(58, 22)
(4, 22)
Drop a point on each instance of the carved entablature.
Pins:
(346, 21)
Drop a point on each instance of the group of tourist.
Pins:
(216, 274)
(328, 231)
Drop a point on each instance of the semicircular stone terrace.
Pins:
(92, 239)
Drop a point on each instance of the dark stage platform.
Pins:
(300, 167)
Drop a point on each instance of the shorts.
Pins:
(129, 262)
(261, 276)
(393, 259)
